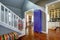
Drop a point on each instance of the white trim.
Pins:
(52, 2)
(21, 35)
(44, 32)
(46, 20)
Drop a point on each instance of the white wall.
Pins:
(43, 22)
(29, 5)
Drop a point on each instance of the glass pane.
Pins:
(15, 21)
(20, 24)
(6, 15)
(10, 18)
(2, 13)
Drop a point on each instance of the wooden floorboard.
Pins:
(54, 34)
(36, 36)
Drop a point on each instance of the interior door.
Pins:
(37, 20)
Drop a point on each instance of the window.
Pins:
(2, 13)
(10, 18)
(20, 24)
(6, 12)
(15, 21)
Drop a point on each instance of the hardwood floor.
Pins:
(31, 35)
(36, 36)
(40, 36)
(54, 34)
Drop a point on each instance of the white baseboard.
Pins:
(21, 35)
(44, 32)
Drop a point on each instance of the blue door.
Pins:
(37, 21)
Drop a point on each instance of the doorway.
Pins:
(53, 12)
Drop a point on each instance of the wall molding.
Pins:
(44, 32)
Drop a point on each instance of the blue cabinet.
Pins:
(37, 20)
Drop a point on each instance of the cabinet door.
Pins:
(37, 20)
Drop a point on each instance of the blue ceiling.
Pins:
(14, 3)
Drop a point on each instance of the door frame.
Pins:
(47, 15)
(32, 10)
(33, 14)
